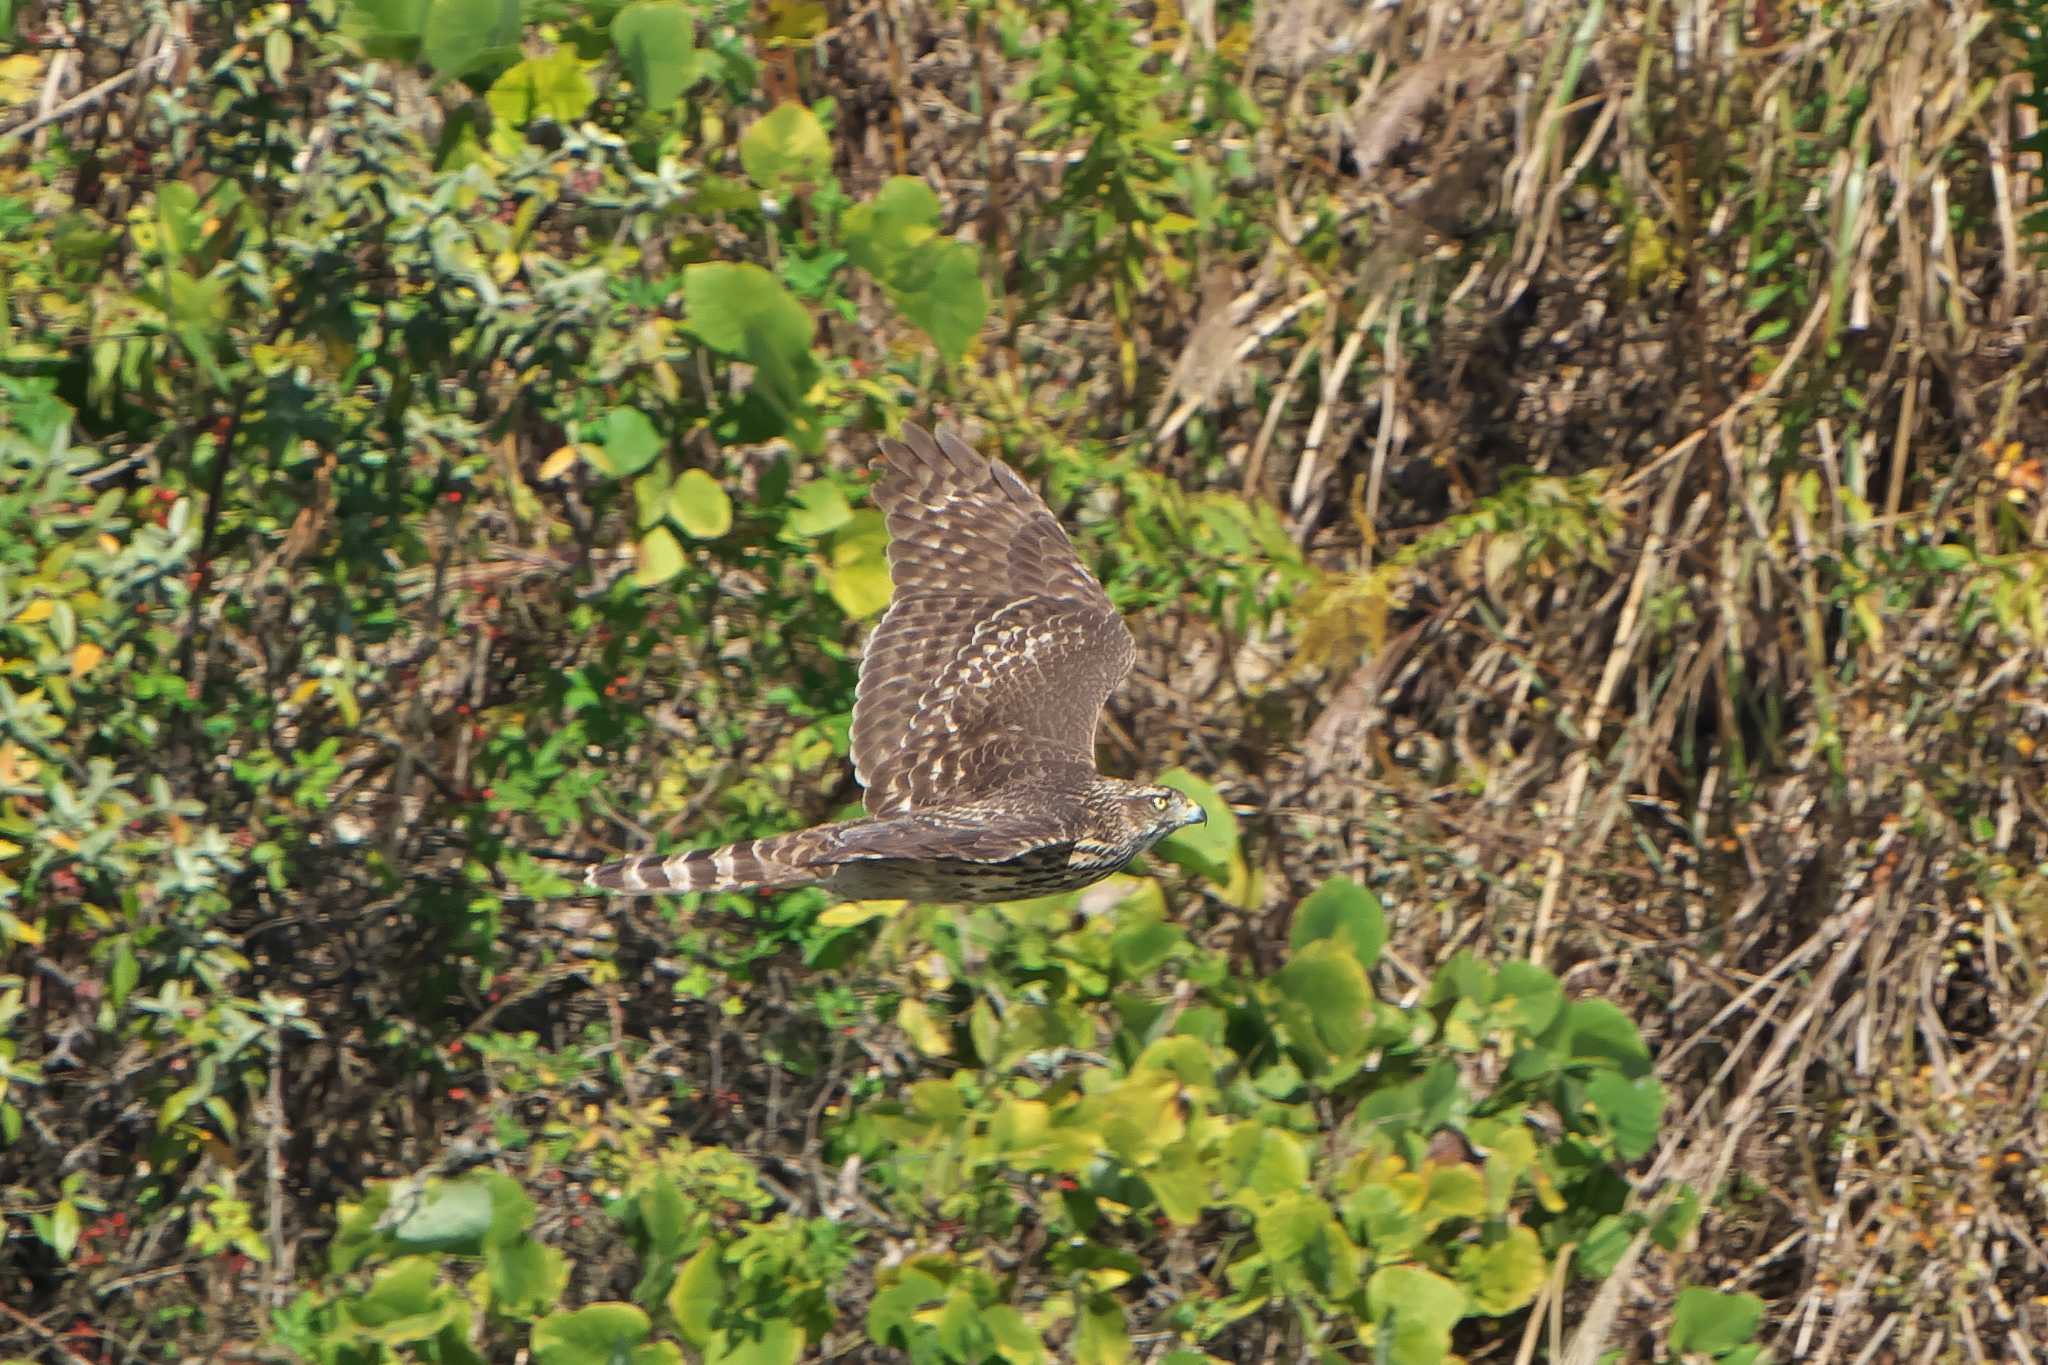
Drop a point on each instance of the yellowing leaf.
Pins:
(85, 658)
(109, 544)
(38, 610)
(558, 463)
(848, 913)
(857, 574)
(17, 765)
(916, 1021)
(660, 558)
(16, 930)
(700, 506)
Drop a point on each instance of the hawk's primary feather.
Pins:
(998, 649)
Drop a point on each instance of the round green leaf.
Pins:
(553, 87)
(1417, 1309)
(857, 569)
(743, 311)
(659, 558)
(777, 1341)
(1343, 910)
(943, 296)
(1325, 981)
(1708, 1321)
(449, 1214)
(525, 1276)
(700, 506)
(596, 1335)
(1599, 1029)
(388, 30)
(1630, 1109)
(464, 36)
(654, 39)
(819, 507)
(785, 148)
(1503, 1275)
(902, 218)
(628, 443)
(1100, 1337)
(694, 1298)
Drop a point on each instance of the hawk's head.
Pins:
(1153, 812)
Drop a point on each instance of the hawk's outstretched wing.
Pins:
(998, 648)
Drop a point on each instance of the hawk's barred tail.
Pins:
(781, 861)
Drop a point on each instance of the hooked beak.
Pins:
(1195, 816)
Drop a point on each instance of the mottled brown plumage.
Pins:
(974, 722)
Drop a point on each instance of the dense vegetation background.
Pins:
(1575, 471)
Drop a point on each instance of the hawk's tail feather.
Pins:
(753, 864)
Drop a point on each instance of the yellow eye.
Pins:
(1159, 803)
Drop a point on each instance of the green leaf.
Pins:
(694, 1298)
(743, 311)
(777, 1341)
(388, 30)
(449, 1215)
(124, 972)
(658, 558)
(1100, 1337)
(177, 213)
(64, 1226)
(1598, 1028)
(880, 234)
(1303, 1240)
(1180, 1182)
(699, 505)
(891, 1319)
(460, 37)
(786, 148)
(1528, 995)
(597, 1335)
(944, 297)
(654, 39)
(934, 282)
(1676, 1223)
(406, 1304)
(555, 87)
(525, 1277)
(1505, 1274)
(650, 498)
(1343, 910)
(1417, 1310)
(857, 568)
(1708, 1321)
(819, 508)
(1324, 988)
(628, 443)
(1630, 1110)
(1603, 1246)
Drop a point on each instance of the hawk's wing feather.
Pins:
(998, 649)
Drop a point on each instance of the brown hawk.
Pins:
(974, 720)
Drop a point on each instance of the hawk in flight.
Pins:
(974, 722)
